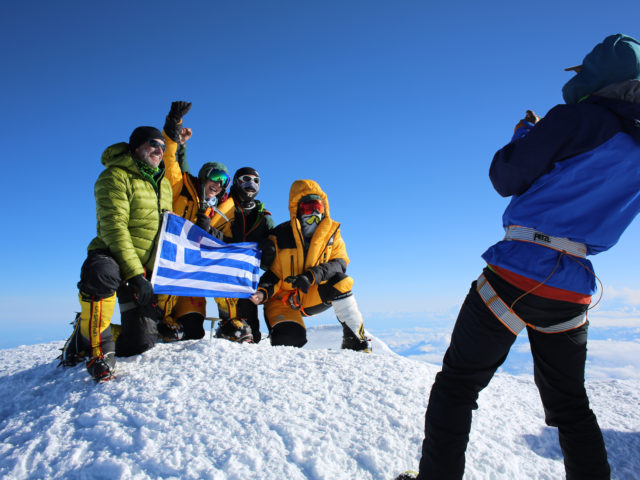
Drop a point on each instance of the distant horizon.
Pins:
(614, 343)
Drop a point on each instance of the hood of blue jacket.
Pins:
(614, 60)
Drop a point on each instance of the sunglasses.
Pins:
(155, 144)
(218, 176)
(249, 178)
(307, 208)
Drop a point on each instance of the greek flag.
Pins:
(192, 263)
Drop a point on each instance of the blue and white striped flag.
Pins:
(192, 263)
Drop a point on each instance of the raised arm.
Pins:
(174, 133)
(534, 149)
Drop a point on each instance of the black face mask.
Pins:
(245, 198)
(246, 184)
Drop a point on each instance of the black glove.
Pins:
(530, 116)
(203, 221)
(179, 110)
(171, 125)
(301, 282)
(142, 288)
(268, 253)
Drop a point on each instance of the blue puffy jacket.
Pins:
(576, 174)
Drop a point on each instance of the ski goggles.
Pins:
(219, 176)
(155, 144)
(307, 208)
(249, 178)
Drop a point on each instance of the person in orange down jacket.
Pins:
(308, 275)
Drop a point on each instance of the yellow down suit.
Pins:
(324, 256)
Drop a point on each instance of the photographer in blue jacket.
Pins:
(574, 182)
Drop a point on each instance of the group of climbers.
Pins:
(234, 216)
(304, 258)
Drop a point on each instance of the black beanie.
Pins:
(141, 135)
(245, 171)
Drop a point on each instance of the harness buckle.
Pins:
(293, 299)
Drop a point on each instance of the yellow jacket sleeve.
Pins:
(172, 171)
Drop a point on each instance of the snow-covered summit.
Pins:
(211, 409)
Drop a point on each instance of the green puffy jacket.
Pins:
(129, 211)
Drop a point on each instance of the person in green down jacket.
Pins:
(130, 195)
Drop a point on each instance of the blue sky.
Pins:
(395, 107)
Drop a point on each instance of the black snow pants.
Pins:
(479, 345)
(100, 275)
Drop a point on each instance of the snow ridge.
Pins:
(218, 410)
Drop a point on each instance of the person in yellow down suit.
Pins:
(308, 275)
(197, 199)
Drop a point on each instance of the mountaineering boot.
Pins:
(408, 475)
(75, 348)
(95, 323)
(353, 334)
(102, 369)
(235, 330)
(169, 330)
(351, 342)
(91, 337)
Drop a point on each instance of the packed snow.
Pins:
(212, 409)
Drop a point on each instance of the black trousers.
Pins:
(100, 278)
(248, 310)
(479, 345)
